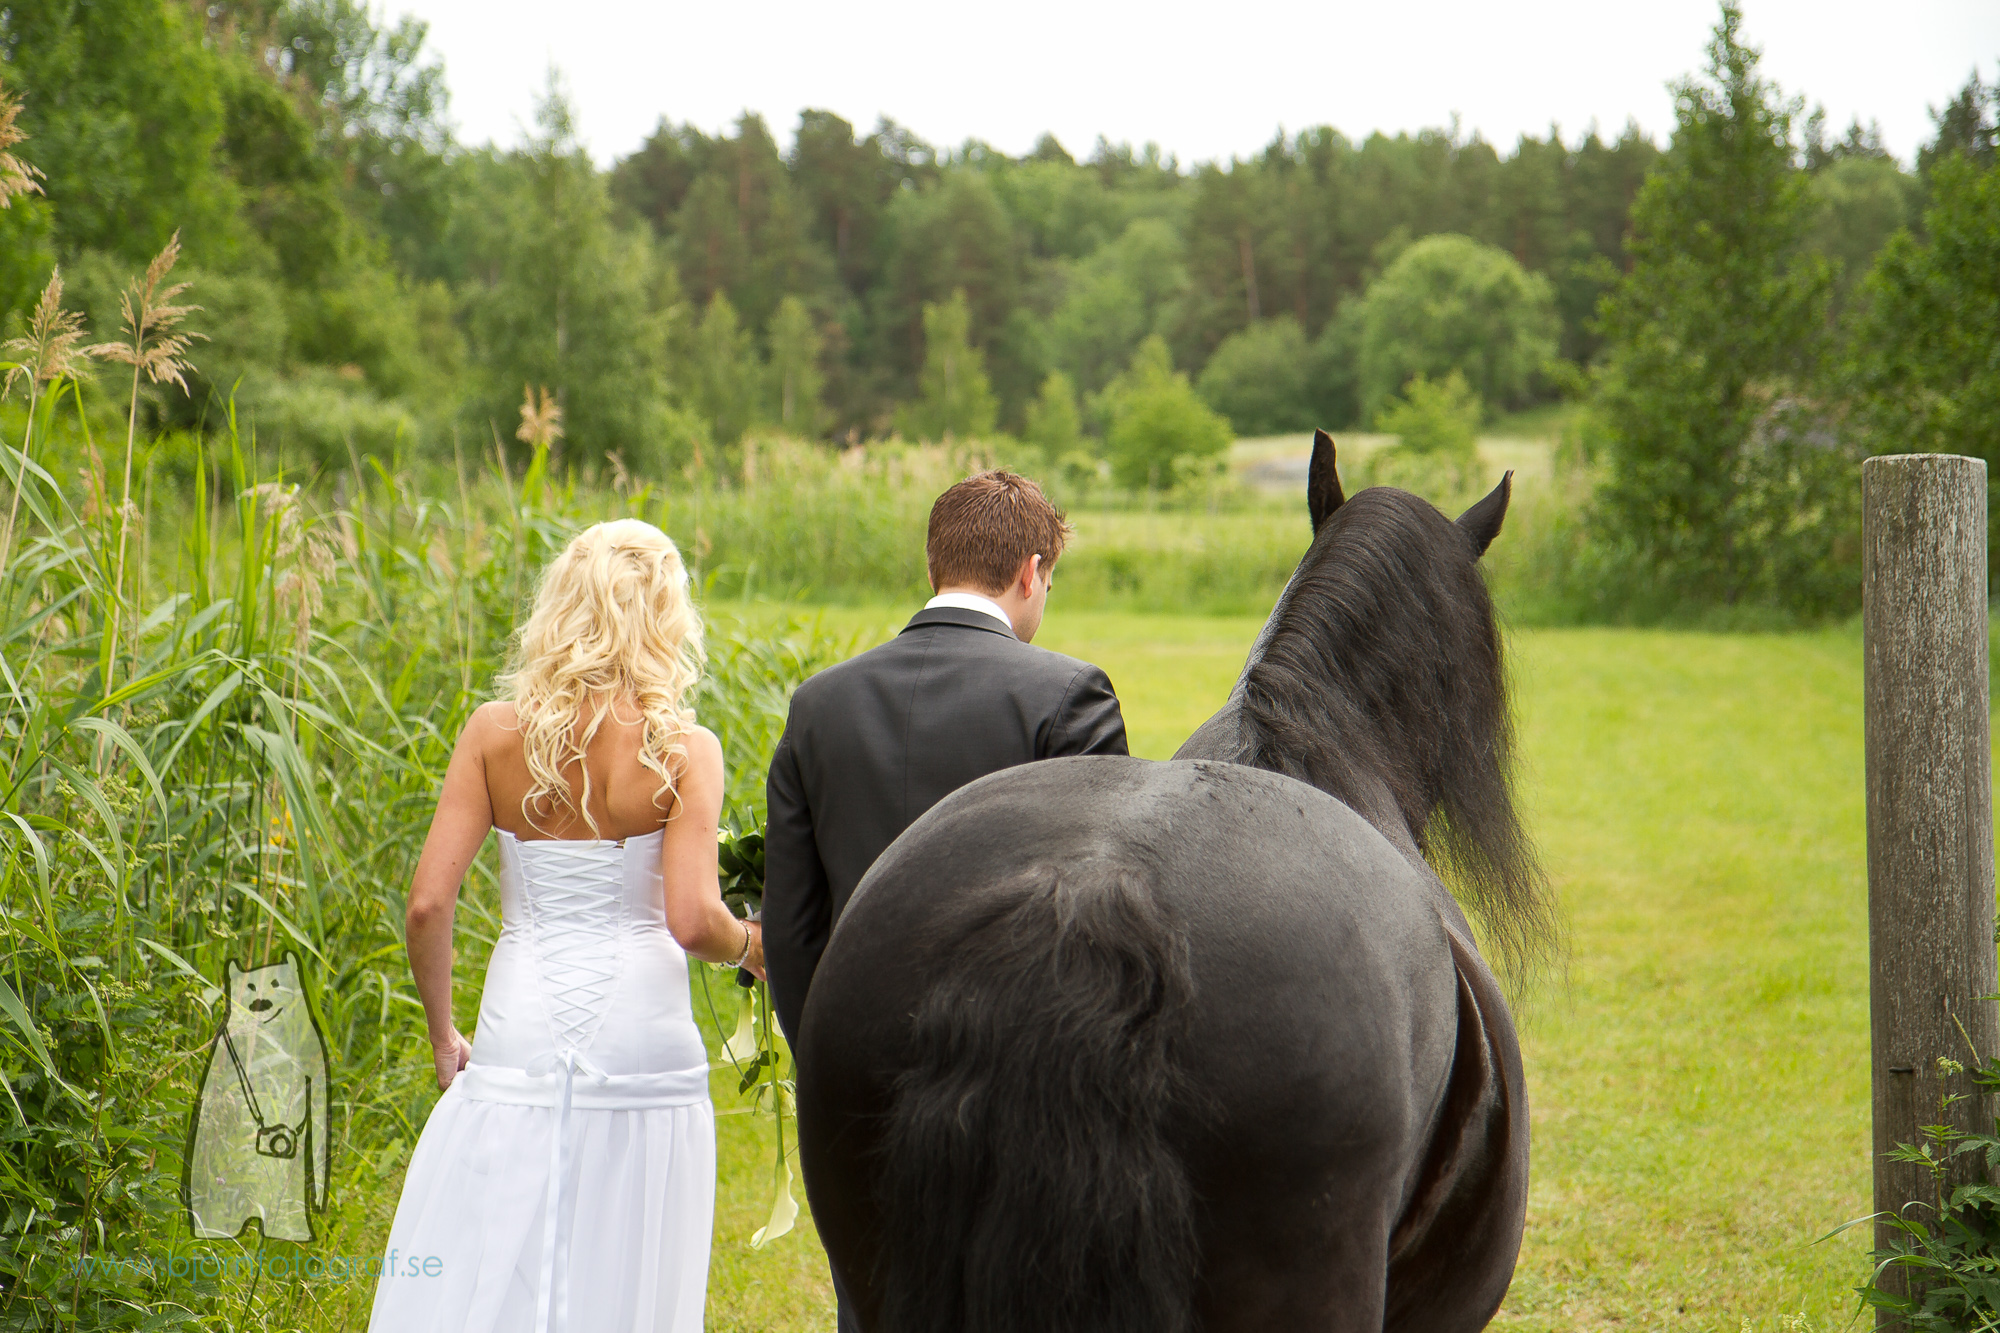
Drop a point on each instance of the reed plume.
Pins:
(541, 425)
(152, 346)
(16, 176)
(47, 352)
(298, 589)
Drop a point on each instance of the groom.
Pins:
(873, 743)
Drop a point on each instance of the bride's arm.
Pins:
(464, 814)
(696, 915)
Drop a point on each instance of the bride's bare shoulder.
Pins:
(499, 714)
(492, 725)
(704, 748)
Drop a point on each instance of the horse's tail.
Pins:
(1027, 1178)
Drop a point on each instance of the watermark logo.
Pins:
(274, 1264)
(258, 1145)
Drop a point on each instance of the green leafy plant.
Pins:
(1945, 1251)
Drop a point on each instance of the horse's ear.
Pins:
(1482, 521)
(1323, 493)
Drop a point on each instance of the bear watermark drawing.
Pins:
(258, 1143)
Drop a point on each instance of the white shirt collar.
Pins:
(970, 601)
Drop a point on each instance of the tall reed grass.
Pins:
(798, 522)
(224, 743)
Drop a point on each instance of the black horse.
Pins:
(1111, 1046)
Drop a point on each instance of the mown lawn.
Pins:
(1700, 1088)
(1699, 1085)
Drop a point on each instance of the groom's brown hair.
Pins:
(984, 527)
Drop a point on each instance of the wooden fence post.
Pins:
(1930, 803)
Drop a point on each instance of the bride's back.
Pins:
(624, 797)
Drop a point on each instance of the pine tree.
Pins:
(725, 372)
(954, 396)
(1968, 125)
(1714, 329)
(795, 372)
(1054, 425)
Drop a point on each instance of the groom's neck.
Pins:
(1012, 604)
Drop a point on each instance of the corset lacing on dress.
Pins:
(576, 922)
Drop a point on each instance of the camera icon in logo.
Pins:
(277, 1141)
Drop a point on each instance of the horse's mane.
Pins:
(1384, 663)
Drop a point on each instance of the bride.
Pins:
(566, 1178)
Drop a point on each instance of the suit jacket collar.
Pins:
(952, 615)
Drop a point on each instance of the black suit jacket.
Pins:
(873, 743)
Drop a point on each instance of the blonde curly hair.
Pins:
(612, 627)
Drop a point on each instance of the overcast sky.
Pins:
(1204, 81)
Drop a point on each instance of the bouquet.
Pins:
(756, 1050)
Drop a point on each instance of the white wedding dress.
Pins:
(566, 1178)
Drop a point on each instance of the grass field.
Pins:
(1700, 1089)
(1699, 1085)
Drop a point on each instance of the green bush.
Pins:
(1452, 303)
(320, 421)
(1435, 424)
(1438, 419)
(1261, 378)
(1337, 367)
(244, 329)
(1155, 419)
(1054, 425)
(27, 253)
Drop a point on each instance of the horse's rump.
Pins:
(1095, 1024)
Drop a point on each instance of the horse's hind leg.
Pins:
(1454, 1249)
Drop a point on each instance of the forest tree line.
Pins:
(360, 271)
(1742, 312)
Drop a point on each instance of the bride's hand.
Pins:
(450, 1057)
(754, 961)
